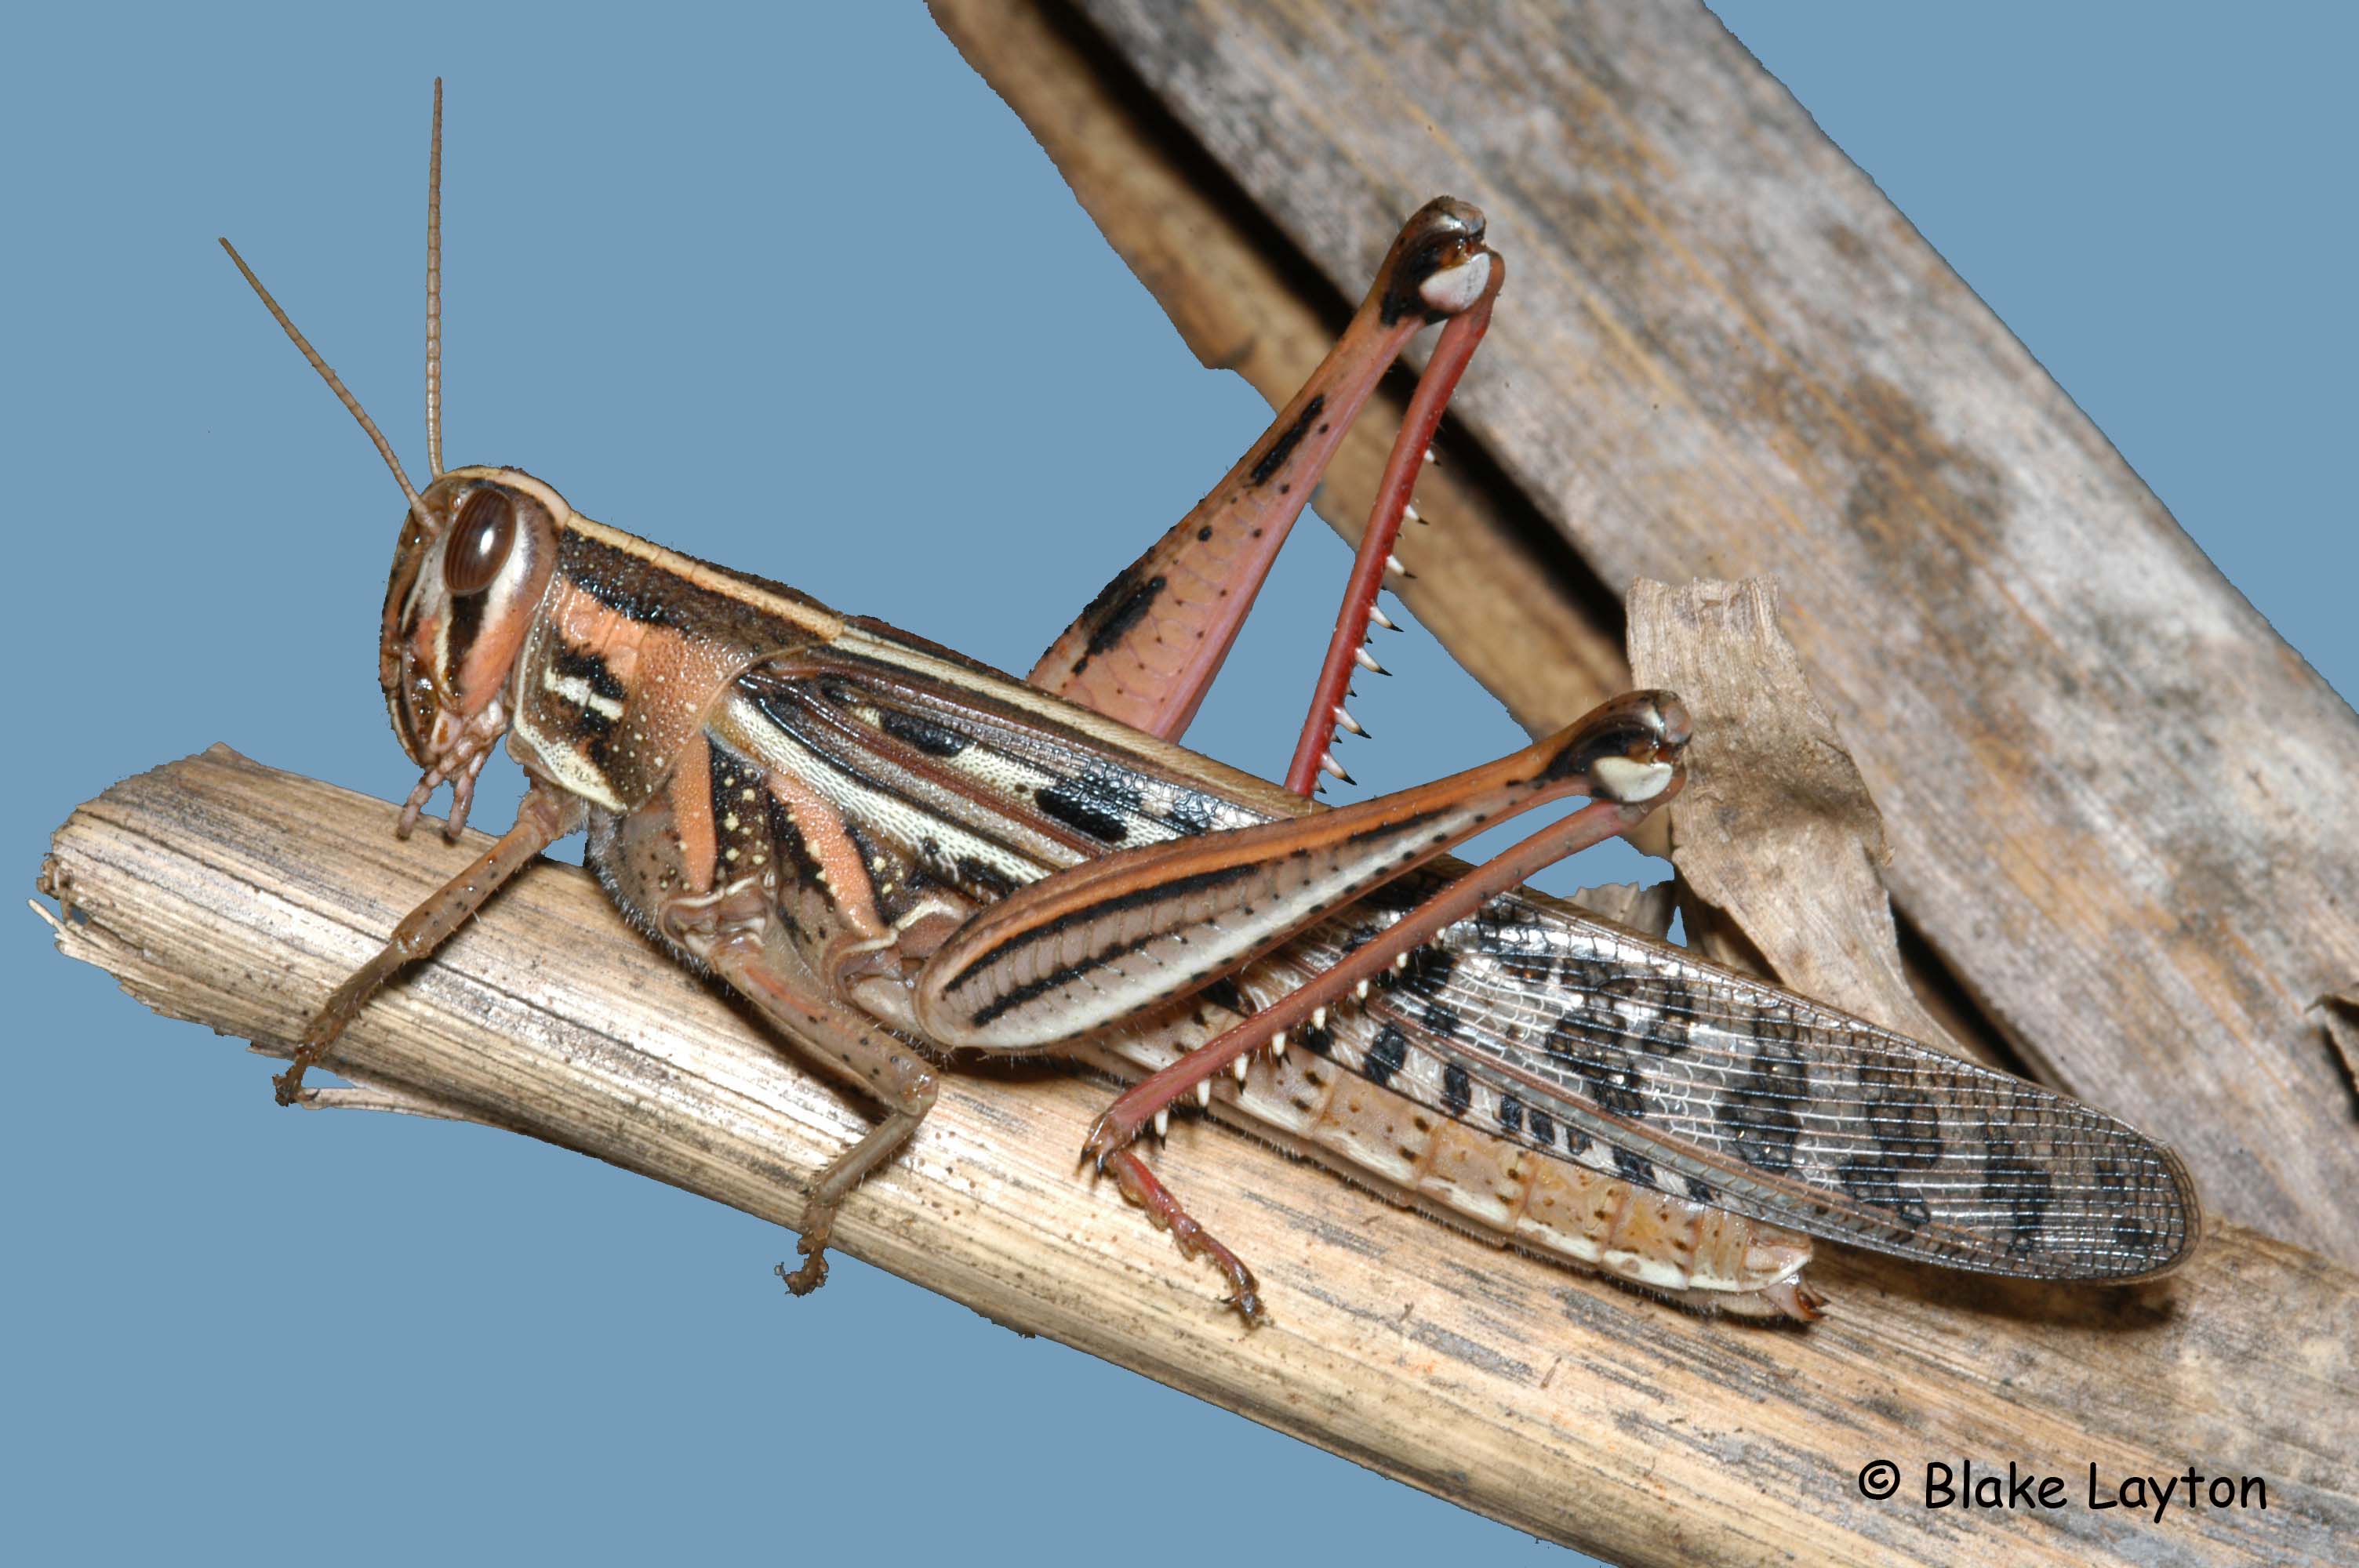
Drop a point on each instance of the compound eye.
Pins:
(480, 542)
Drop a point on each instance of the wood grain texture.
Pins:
(2119, 806)
(1771, 788)
(1562, 1405)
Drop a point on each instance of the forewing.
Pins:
(1689, 1078)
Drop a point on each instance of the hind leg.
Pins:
(1147, 647)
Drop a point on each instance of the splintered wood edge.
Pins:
(1771, 789)
(222, 891)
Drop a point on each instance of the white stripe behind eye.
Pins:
(576, 690)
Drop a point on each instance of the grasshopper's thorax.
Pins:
(630, 644)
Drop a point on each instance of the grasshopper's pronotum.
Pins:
(895, 854)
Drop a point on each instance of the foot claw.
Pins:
(1106, 1138)
(287, 1086)
(803, 1281)
(1139, 1185)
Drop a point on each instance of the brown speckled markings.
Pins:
(1701, 1256)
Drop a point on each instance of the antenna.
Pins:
(384, 447)
(434, 293)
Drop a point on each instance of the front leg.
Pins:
(544, 817)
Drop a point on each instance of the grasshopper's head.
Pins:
(477, 548)
(474, 561)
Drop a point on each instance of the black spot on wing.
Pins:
(1400, 895)
(1610, 1074)
(1758, 1115)
(1386, 1056)
(1594, 979)
(1775, 1022)
(2019, 1185)
(1530, 968)
(1190, 814)
(1511, 1113)
(1635, 1168)
(1667, 1020)
(1079, 811)
(934, 740)
(1902, 1121)
(1874, 1182)
(1225, 993)
(1542, 1125)
(981, 876)
(1428, 971)
(1095, 801)
(1457, 1089)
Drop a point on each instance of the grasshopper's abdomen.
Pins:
(1327, 1100)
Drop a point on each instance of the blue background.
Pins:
(667, 243)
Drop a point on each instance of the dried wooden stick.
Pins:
(1561, 1405)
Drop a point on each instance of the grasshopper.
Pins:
(895, 854)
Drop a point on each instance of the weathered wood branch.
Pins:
(2118, 804)
(1559, 1404)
